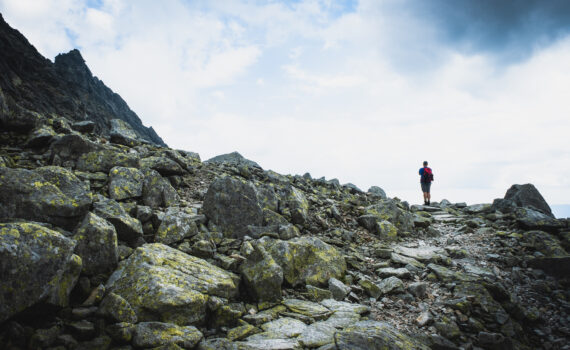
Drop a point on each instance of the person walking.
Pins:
(426, 177)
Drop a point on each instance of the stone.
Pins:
(505, 206)
(371, 288)
(41, 137)
(121, 332)
(374, 335)
(162, 283)
(157, 191)
(317, 294)
(418, 289)
(38, 264)
(270, 344)
(390, 271)
(175, 226)
(317, 334)
(154, 334)
(423, 254)
(86, 126)
(530, 219)
(104, 160)
(294, 205)
(165, 166)
(424, 319)
(48, 194)
(376, 191)
(404, 260)
(338, 289)
(306, 260)
(122, 133)
(308, 308)
(232, 205)
(96, 245)
(448, 329)
(477, 209)
(544, 243)
(116, 308)
(284, 327)
(241, 332)
(261, 275)
(388, 210)
(391, 285)
(233, 158)
(528, 196)
(128, 228)
(125, 183)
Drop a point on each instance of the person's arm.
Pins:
(421, 171)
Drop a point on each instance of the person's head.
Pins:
(425, 162)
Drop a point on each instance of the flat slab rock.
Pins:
(423, 254)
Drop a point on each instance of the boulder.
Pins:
(294, 205)
(233, 158)
(306, 260)
(72, 146)
(260, 273)
(531, 219)
(96, 245)
(158, 334)
(38, 264)
(157, 191)
(117, 309)
(48, 194)
(374, 335)
(391, 285)
(376, 191)
(162, 283)
(86, 126)
(165, 166)
(338, 289)
(175, 226)
(128, 228)
(528, 196)
(544, 243)
(105, 159)
(41, 137)
(122, 133)
(232, 205)
(125, 183)
(388, 210)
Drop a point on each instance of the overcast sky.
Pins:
(362, 91)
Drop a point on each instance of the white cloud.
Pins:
(365, 96)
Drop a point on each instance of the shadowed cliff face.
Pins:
(31, 83)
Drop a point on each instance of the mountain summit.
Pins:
(32, 84)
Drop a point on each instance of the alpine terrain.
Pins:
(111, 240)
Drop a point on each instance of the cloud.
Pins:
(363, 92)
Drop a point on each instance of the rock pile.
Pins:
(114, 243)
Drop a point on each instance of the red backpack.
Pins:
(427, 176)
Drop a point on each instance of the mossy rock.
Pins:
(157, 191)
(165, 166)
(104, 160)
(128, 228)
(48, 194)
(374, 335)
(125, 183)
(96, 245)
(155, 334)
(261, 275)
(306, 260)
(232, 205)
(175, 226)
(162, 283)
(38, 264)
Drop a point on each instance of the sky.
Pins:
(362, 91)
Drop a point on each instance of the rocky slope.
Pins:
(116, 243)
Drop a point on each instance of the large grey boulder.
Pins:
(530, 219)
(125, 183)
(128, 228)
(37, 264)
(165, 284)
(293, 205)
(260, 273)
(159, 334)
(232, 205)
(378, 192)
(48, 194)
(105, 159)
(233, 158)
(175, 226)
(96, 245)
(306, 260)
(374, 335)
(71, 147)
(164, 165)
(528, 196)
(388, 210)
(157, 191)
(122, 133)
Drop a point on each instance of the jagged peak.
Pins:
(72, 60)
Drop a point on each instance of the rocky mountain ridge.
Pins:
(32, 89)
(108, 241)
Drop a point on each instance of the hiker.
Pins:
(426, 177)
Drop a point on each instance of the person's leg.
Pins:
(428, 193)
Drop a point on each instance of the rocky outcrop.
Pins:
(528, 196)
(38, 264)
(34, 87)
